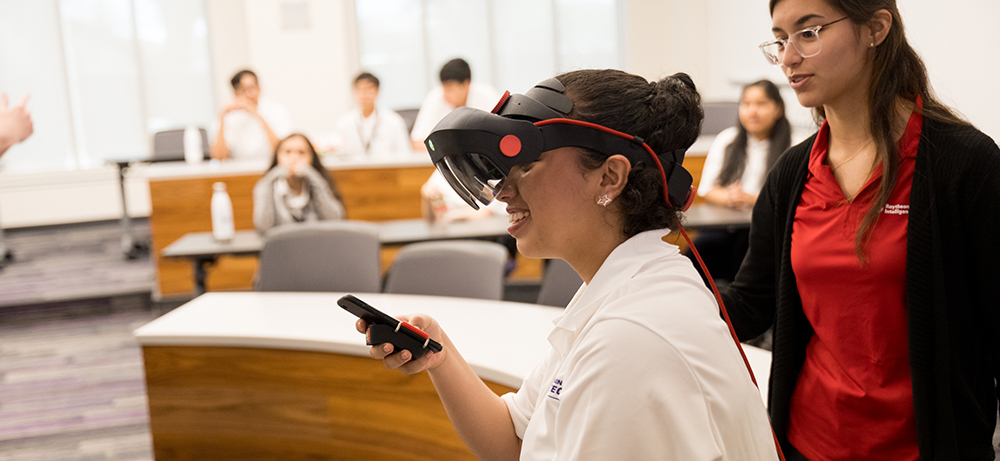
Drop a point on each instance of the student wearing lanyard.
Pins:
(872, 251)
(368, 129)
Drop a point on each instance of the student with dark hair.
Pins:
(457, 90)
(438, 201)
(249, 127)
(873, 251)
(641, 364)
(296, 188)
(735, 168)
(368, 129)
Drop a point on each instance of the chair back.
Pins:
(719, 116)
(168, 145)
(559, 283)
(409, 117)
(460, 268)
(320, 256)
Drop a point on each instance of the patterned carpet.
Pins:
(71, 374)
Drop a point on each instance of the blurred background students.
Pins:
(15, 123)
(296, 188)
(735, 169)
(456, 90)
(250, 126)
(370, 130)
(439, 201)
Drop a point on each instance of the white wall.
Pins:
(307, 66)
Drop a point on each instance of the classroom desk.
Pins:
(286, 376)
(375, 188)
(202, 249)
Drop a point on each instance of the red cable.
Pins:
(711, 282)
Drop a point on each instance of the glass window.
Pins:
(104, 76)
(391, 41)
(31, 63)
(509, 44)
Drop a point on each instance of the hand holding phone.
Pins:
(382, 328)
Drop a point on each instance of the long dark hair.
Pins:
(897, 72)
(315, 163)
(780, 138)
(667, 114)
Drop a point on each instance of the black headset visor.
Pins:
(475, 150)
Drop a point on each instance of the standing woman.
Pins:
(296, 188)
(735, 169)
(873, 251)
(641, 365)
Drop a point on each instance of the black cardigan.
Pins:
(952, 260)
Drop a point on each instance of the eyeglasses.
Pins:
(806, 42)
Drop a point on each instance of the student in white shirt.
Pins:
(296, 188)
(641, 365)
(734, 172)
(250, 126)
(456, 90)
(368, 129)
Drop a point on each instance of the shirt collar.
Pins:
(620, 266)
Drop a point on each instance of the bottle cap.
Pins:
(219, 186)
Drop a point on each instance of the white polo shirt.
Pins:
(754, 172)
(381, 133)
(246, 137)
(641, 367)
(434, 107)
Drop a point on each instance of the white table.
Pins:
(240, 374)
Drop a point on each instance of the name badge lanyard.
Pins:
(366, 143)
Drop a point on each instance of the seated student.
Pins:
(369, 130)
(641, 364)
(296, 188)
(734, 171)
(250, 126)
(456, 90)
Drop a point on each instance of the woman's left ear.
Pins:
(614, 175)
(879, 26)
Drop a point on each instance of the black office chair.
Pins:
(168, 146)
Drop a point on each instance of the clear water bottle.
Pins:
(223, 229)
(194, 151)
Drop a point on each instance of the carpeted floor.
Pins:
(71, 373)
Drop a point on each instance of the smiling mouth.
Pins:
(515, 217)
(797, 78)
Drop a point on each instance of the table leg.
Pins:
(200, 273)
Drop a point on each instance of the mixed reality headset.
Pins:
(474, 150)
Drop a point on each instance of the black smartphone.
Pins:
(385, 328)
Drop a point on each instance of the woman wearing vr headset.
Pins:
(873, 251)
(641, 365)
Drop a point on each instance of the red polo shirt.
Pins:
(854, 396)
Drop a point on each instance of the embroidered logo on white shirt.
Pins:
(555, 390)
(896, 209)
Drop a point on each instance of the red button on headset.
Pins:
(510, 145)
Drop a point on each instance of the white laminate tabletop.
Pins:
(501, 340)
(215, 168)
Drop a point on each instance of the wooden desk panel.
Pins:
(246, 403)
(180, 206)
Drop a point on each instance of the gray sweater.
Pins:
(270, 209)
